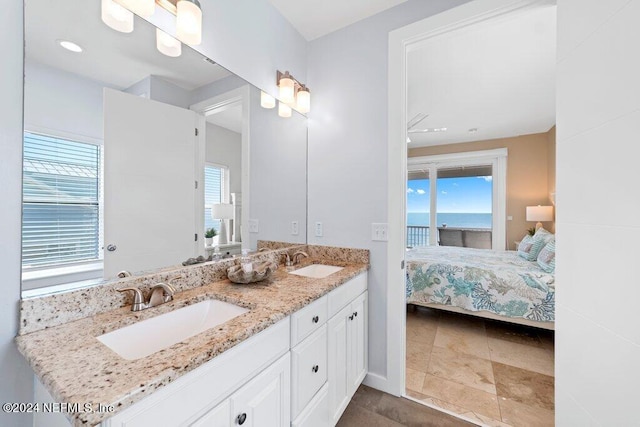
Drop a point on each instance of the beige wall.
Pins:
(530, 173)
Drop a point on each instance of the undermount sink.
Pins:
(316, 271)
(148, 336)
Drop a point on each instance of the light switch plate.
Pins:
(295, 229)
(318, 229)
(379, 231)
(253, 226)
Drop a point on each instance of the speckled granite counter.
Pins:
(76, 368)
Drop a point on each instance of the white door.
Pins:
(338, 341)
(265, 400)
(149, 183)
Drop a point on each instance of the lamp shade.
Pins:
(222, 211)
(266, 100)
(539, 213)
(304, 100)
(167, 44)
(189, 21)
(116, 16)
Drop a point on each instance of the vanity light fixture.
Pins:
(118, 14)
(167, 44)
(266, 100)
(284, 110)
(293, 93)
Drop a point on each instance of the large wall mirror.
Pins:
(130, 155)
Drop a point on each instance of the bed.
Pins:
(491, 284)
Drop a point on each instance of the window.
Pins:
(60, 202)
(216, 180)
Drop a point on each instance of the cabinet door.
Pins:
(308, 369)
(265, 400)
(217, 417)
(338, 339)
(358, 345)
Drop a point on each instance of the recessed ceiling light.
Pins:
(69, 46)
(473, 130)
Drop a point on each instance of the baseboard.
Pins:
(378, 382)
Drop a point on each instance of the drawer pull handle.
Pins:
(355, 314)
(242, 418)
(315, 319)
(315, 368)
(351, 317)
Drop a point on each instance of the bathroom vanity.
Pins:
(295, 357)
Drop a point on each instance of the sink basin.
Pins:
(316, 271)
(148, 336)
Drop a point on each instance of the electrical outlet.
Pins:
(318, 229)
(253, 226)
(295, 228)
(379, 232)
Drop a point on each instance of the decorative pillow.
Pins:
(530, 246)
(547, 257)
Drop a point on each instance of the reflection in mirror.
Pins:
(126, 152)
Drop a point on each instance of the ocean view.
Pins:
(469, 220)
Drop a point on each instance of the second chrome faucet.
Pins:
(160, 293)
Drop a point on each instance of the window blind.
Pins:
(61, 181)
(213, 193)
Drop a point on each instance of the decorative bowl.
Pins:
(259, 271)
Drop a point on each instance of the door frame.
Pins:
(401, 41)
(216, 104)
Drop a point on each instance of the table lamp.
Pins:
(540, 214)
(223, 212)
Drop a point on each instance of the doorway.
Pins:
(403, 41)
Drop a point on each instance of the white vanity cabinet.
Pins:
(347, 346)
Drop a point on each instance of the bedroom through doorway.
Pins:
(480, 132)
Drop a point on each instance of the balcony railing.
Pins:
(417, 235)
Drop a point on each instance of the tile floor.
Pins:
(494, 373)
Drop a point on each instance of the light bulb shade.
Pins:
(189, 21)
(167, 44)
(266, 100)
(116, 16)
(303, 100)
(144, 8)
(284, 110)
(540, 213)
(222, 211)
(286, 91)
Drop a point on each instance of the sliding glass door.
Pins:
(457, 200)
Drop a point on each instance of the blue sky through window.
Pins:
(455, 195)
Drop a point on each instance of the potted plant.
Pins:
(209, 234)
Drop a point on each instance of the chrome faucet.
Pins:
(160, 293)
(297, 255)
(287, 259)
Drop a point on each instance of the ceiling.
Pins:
(496, 77)
(315, 18)
(111, 57)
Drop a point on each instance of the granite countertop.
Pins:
(76, 368)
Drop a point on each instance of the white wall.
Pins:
(60, 101)
(224, 147)
(16, 384)
(348, 146)
(598, 122)
(277, 174)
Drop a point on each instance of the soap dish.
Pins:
(260, 271)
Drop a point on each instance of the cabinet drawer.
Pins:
(343, 295)
(308, 369)
(316, 414)
(307, 320)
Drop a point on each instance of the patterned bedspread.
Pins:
(478, 279)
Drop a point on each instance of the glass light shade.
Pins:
(304, 100)
(284, 110)
(167, 44)
(116, 16)
(144, 8)
(189, 22)
(287, 91)
(266, 100)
